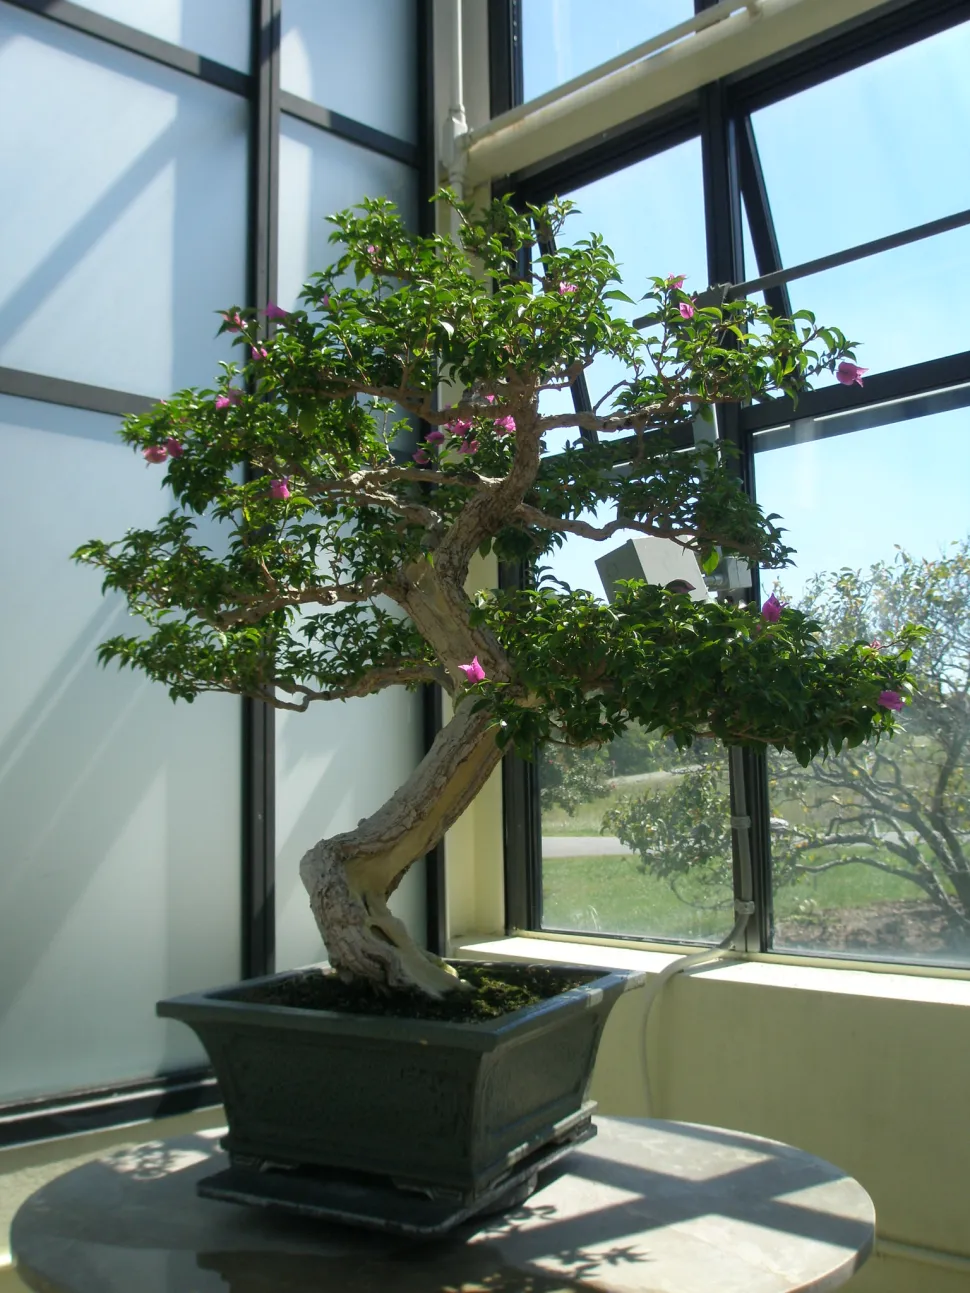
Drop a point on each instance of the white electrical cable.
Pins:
(709, 956)
(744, 908)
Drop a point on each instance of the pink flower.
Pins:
(155, 453)
(567, 289)
(468, 447)
(771, 610)
(421, 458)
(875, 645)
(890, 700)
(675, 280)
(506, 425)
(435, 437)
(234, 321)
(686, 309)
(326, 300)
(371, 249)
(458, 427)
(174, 447)
(280, 488)
(490, 399)
(258, 352)
(848, 374)
(474, 671)
(274, 311)
(232, 396)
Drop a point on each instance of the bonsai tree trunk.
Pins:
(349, 877)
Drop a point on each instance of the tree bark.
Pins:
(350, 876)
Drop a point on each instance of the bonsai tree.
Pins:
(347, 549)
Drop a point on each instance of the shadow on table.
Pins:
(424, 1268)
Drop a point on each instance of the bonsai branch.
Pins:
(366, 685)
(254, 608)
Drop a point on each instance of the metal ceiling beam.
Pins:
(715, 44)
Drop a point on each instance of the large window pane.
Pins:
(336, 763)
(218, 29)
(636, 835)
(564, 38)
(871, 850)
(120, 850)
(117, 251)
(870, 152)
(357, 59)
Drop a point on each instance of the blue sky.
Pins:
(863, 155)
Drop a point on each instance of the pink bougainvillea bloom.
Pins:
(468, 447)
(675, 280)
(326, 300)
(771, 610)
(890, 700)
(174, 447)
(257, 352)
(232, 396)
(567, 289)
(458, 427)
(274, 311)
(435, 437)
(371, 249)
(235, 321)
(686, 309)
(421, 458)
(849, 374)
(280, 488)
(875, 645)
(474, 671)
(490, 399)
(155, 453)
(504, 426)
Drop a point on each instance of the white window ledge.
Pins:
(848, 981)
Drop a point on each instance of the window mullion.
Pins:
(725, 261)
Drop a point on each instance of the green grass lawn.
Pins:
(611, 895)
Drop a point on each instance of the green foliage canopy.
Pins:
(346, 555)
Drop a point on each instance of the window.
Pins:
(871, 851)
(867, 855)
(137, 834)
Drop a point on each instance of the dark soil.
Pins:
(497, 990)
(913, 930)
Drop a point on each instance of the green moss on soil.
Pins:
(498, 990)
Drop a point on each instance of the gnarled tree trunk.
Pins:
(350, 876)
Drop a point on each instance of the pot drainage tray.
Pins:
(377, 1204)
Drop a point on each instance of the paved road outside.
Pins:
(583, 846)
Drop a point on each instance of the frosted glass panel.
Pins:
(219, 29)
(116, 252)
(321, 174)
(357, 59)
(119, 854)
(336, 764)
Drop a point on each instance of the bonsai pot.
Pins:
(448, 1109)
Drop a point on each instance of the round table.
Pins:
(646, 1207)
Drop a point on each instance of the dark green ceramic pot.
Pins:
(446, 1106)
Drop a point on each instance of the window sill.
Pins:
(945, 987)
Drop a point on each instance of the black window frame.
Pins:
(720, 114)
